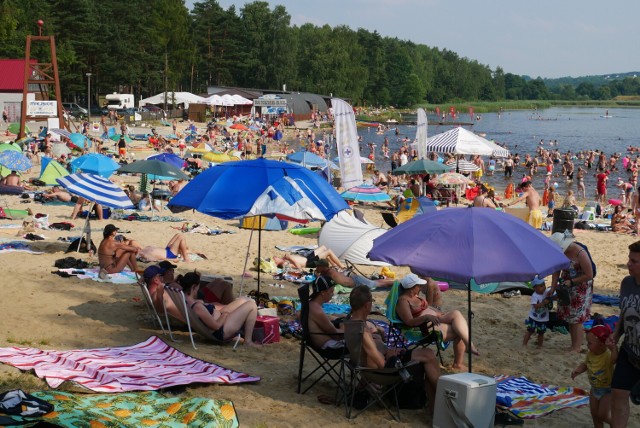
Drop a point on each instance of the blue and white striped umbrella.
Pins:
(97, 189)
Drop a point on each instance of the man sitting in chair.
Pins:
(375, 353)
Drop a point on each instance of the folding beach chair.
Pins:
(379, 383)
(193, 322)
(405, 336)
(390, 218)
(152, 313)
(330, 361)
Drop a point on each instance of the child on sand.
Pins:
(539, 312)
(598, 364)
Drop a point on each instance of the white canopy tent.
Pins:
(350, 239)
(185, 98)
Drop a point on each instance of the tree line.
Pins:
(145, 46)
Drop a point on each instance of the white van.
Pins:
(117, 101)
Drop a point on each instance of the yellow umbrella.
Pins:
(219, 157)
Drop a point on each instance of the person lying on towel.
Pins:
(309, 259)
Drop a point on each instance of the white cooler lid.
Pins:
(471, 379)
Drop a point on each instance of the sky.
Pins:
(541, 38)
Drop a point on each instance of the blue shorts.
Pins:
(598, 393)
(170, 254)
(534, 326)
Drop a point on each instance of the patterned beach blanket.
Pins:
(146, 366)
(528, 400)
(124, 277)
(133, 410)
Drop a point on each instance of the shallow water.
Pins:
(574, 128)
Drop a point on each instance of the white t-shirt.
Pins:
(540, 314)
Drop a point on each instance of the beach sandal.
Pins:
(635, 394)
(325, 399)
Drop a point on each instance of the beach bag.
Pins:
(41, 221)
(593, 265)
(83, 246)
(265, 265)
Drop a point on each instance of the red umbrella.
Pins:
(239, 126)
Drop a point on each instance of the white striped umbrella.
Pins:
(464, 165)
(460, 141)
(97, 189)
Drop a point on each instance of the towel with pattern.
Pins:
(124, 277)
(132, 410)
(529, 400)
(146, 366)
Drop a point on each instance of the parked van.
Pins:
(117, 101)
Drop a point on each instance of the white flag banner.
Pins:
(421, 134)
(347, 143)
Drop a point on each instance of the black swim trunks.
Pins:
(74, 199)
(311, 260)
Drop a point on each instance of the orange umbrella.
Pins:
(239, 126)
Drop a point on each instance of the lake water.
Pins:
(574, 128)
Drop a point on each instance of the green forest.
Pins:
(145, 46)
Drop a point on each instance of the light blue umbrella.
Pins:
(94, 163)
(79, 140)
(14, 161)
(307, 159)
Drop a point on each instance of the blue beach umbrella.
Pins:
(169, 158)
(94, 163)
(464, 244)
(260, 187)
(307, 159)
(96, 189)
(79, 140)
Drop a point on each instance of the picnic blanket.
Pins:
(17, 246)
(146, 366)
(528, 400)
(124, 277)
(132, 410)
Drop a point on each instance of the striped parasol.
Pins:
(463, 165)
(365, 193)
(97, 189)
(460, 141)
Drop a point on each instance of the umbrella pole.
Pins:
(86, 230)
(246, 259)
(259, 248)
(469, 317)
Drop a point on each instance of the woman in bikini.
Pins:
(308, 260)
(114, 256)
(415, 311)
(225, 321)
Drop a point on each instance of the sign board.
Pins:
(269, 102)
(42, 108)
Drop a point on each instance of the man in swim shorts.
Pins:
(532, 198)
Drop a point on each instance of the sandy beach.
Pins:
(43, 310)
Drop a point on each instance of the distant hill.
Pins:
(596, 81)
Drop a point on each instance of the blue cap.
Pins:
(152, 271)
(537, 281)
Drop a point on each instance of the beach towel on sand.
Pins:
(528, 400)
(146, 366)
(133, 410)
(124, 277)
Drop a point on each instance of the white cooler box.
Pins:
(473, 395)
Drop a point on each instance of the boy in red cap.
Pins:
(598, 364)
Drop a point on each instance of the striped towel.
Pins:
(146, 366)
(529, 400)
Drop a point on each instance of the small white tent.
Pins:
(350, 239)
(185, 98)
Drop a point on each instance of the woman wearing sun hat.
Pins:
(574, 286)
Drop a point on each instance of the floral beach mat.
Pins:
(146, 366)
(133, 410)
